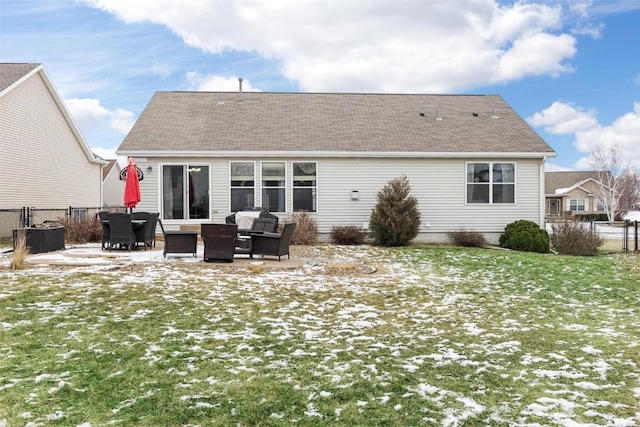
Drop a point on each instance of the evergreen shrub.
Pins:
(395, 220)
(524, 235)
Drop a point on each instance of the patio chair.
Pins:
(121, 230)
(103, 216)
(147, 233)
(273, 244)
(140, 216)
(219, 241)
(260, 225)
(179, 242)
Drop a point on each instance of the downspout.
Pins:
(542, 194)
(102, 186)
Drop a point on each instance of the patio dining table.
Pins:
(136, 225)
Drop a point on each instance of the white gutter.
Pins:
(336, 154)
(543, 200)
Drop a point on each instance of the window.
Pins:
(273, 186)
(79, 214)
(185, 192)
(576, 205)
(600, 206)
(304, 186)
(243, 183)
(491, 183)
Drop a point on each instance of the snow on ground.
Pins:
(354, 321)
(632, 216)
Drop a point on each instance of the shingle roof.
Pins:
(107, 169)
(328, 122)
(558, 180)
(11, 73)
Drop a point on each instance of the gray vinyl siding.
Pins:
(438, 184)
(42, 163)
(113, 189)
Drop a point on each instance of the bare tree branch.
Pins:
(618, 184)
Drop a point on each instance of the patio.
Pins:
(92, 254)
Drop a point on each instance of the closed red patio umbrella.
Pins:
(132, 186)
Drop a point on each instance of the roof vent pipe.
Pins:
(240, 83)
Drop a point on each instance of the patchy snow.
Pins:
(632, 216)
(342, 335)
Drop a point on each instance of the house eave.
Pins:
(336, 154)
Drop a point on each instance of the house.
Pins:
(44, 162)
(112, 185)
(471, 161)
(572, 193)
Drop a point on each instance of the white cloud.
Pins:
(624, 131)
(581, 8)
(591, 29)
(89, 114)
(379, 46)
(552, 167)
(161, 69)
(213, 83)
(105, 153)
(562, 119)
(121, 120)
(86, 112)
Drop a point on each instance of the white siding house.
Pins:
(471, 161)
(44, 160)
(112, 186)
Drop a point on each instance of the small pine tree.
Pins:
(395, 220)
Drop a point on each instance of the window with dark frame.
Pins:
(304, 186)
(490, 183)
(185, 191)
(242, 185)
(274, 186)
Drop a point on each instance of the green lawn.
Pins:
(435, 336)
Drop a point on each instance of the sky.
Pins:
(570, 68)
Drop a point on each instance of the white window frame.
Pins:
(282, 187)
(490, 183)
(231, 187)
(577, 205)
(185, 189)
(313, 188)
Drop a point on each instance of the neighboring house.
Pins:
(112, 186)
(44, 160)
(472, 162)
(572, 193)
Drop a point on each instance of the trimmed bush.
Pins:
(348, 235)
(524, 235)
(469, 239)
(575, 238)
(306, 232)
(395, 220)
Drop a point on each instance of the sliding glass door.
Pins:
(185, 192)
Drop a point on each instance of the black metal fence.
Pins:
(630, 239)
(618, 236)
(10, 219)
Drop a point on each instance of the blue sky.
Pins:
(570, 68)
